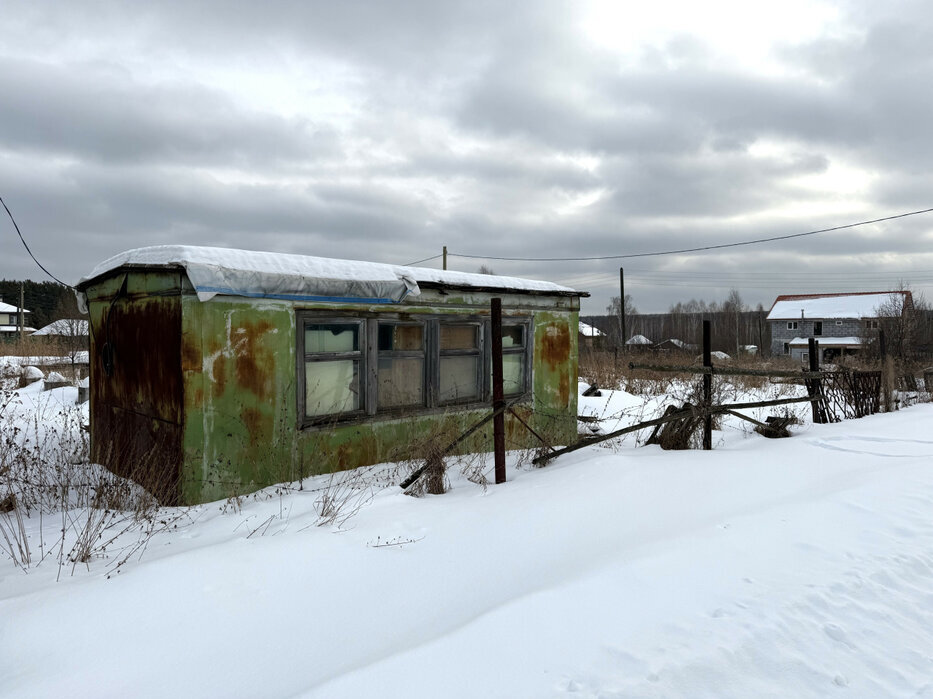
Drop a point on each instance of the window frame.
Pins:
(482, 340)
(792, 325)
(402, 354)
(817, 328)
(524, 350)
(303, 356)
(369, 354)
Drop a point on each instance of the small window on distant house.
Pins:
(792, 325)
(838, 322)
(872, 324)
(818, 327)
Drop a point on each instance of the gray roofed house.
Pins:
(839, 322)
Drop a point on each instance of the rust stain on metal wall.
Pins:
(190, 355)
(555, 348)
(137, 405)
(253, 364)
(255, 425)
(563, 389)
(219, 374)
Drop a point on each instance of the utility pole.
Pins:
(445, 257)
(622, 303)
(707, 388)
(22, 324)
(498, 400)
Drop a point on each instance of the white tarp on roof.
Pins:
(638, 340)
(843, 306)
(589, 330)
(299, 277)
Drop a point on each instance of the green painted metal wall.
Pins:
(241, 428)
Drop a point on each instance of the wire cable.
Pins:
(426, 259)
(699, 249)
(27, 247)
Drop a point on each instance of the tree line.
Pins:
(46, 301)
(733, 325)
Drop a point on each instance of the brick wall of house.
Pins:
(850, 327)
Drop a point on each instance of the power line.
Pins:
(27, 247)
(699, 249)
(426, 259)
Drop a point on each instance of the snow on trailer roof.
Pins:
(817, 306)
(251, 273)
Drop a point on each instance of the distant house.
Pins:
(9, 321)
(638, 341)
(589, 336)
(64, 327)
(673, 345)
(840, 322)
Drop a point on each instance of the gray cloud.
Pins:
(492, 128)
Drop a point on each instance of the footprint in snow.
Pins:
(837, 633)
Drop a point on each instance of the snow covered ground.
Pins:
(798, 567)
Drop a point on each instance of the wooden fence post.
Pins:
(814, 388)
(887, 373)
(498, 400)
(707, 389)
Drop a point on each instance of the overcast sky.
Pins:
(386, 130)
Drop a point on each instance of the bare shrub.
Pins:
(344, 495)
(45, 474)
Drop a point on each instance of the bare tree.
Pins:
(71, 331)
(615, 309)
(905, 319)
(732, 307)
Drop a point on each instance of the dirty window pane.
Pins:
(400, 337)
(455, 337)
(459, 379)
(513, 372)
(332, 387)
(332, 337)
(513, 336)
(401, 381)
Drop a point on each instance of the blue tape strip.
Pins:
(297, 297)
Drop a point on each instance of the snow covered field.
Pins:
(798, 567)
